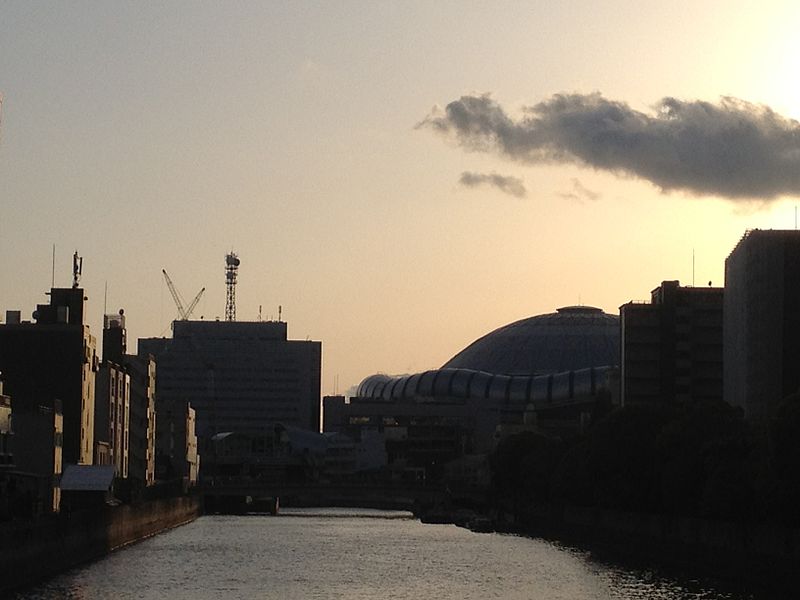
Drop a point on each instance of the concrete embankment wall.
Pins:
(742, 551)
(32, 551)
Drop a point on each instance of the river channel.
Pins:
(359, 554)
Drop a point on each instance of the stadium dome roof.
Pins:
(572, 338)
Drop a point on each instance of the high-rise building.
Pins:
(54, 359)
(762, 320)
(239, 376)
(671, 348)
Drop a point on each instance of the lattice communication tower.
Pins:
(232, 263)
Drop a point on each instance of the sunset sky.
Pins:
(401, 177)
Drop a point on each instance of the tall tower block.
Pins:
(231, 269)
(762, 321)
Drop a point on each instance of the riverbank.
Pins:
(31, 551)
(753, 554)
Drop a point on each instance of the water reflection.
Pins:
(357, 554)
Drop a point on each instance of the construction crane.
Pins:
(184, 313)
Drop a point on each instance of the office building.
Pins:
(38, 454)
(762, 321)
(112, 399)
(671, 347)
(112, 417)
(239, 376)
(125, 407)
(176, 443)
(54, 359)
(142, 430)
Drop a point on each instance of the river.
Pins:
(357, 554)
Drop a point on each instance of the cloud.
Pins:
(579, 193)
(732, 149)
(506, 184)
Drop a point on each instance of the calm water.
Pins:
(354, 555)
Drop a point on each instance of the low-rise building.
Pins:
(176, 444)
(38, 454)
(87, 487)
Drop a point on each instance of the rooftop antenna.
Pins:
(280, 311)
(77, 269)
(53, 274)
(259, 313)
(232, 263)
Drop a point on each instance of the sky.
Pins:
(400, 177)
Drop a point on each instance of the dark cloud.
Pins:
(733, 148)
(504, 183)
(580, 193)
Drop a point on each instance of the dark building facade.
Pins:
(112, 417)
(239, 376)
(762, 320)
(176, 455)
(54, 359)
(6, 432)
(130, 398)
(142, 430)
(38, 454)
(671, 348)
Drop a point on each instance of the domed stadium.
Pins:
(572, 338)
(541, 358)
(549, 371)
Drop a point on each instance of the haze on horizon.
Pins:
(401, 177)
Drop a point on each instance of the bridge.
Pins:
(239, 495)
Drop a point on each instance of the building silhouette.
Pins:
(238, 376)
(54, 359)
(137, 419)
(142, 430)
(112, 417)
(176, 455)
(671, 347)
(762, 320)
